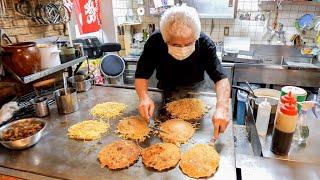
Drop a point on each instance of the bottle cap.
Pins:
(288, 98)
(265, 103)
(289, 109)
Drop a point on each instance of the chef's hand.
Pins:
(146, 108)
(220, 121)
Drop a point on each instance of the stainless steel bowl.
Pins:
(80, 83)
(22, 143)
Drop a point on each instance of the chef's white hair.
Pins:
(178, 21)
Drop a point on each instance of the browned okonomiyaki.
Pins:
(134, 128)
(189, 109)
(176, 131)
(119, 154)
(161, 156)
(202, 160)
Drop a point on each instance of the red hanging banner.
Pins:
(88, 15)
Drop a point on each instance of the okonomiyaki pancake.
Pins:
(134, 128)
(177, 131)
(119, 154)
(161, 156)
(202, 160)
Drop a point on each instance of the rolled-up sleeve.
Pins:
(213, 66)
(147, 61)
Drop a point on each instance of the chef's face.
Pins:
(181, 41)
(181, 47)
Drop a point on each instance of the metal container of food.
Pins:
(67, 101)
(25, 142)
(80, 83)
(40, 106)
(231, 52)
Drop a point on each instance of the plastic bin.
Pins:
(241, 104)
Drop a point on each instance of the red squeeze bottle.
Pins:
(285, 126)
(288, 98)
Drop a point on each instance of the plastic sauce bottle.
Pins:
(263, 116)
(287, 98)
(284, 128)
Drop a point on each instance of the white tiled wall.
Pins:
(253, 29)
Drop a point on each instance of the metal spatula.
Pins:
(212, 141)
(152, 126)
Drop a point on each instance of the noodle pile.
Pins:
(88, 130)
(108, 110)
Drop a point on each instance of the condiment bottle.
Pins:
(285, 126)
(263, 116)
(287, 98)
(302, 131)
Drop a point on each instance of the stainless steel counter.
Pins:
(272, 69)
(275, 74)
(253, 168)
(56, 156)
(254, 158)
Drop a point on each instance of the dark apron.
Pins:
(181, 92)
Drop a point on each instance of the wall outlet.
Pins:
(226, 31)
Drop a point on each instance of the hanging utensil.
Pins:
(6, 37)
(65, 83)
(250, 88)
(3, 7)
(306, 22)
(275, 22)
(212, 26)
(89, 74)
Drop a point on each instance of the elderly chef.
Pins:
(181, 54)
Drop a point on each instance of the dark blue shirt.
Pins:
(171, 72)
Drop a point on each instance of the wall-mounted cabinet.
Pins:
(214, 8)
(223, 9)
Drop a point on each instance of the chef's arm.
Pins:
(220, 119)
(146, 105)
(141, 86)
(223, 94)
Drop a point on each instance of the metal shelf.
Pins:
(130, 24)
(46, 72)
(306, 3)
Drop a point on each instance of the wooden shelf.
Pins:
(305, 3)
